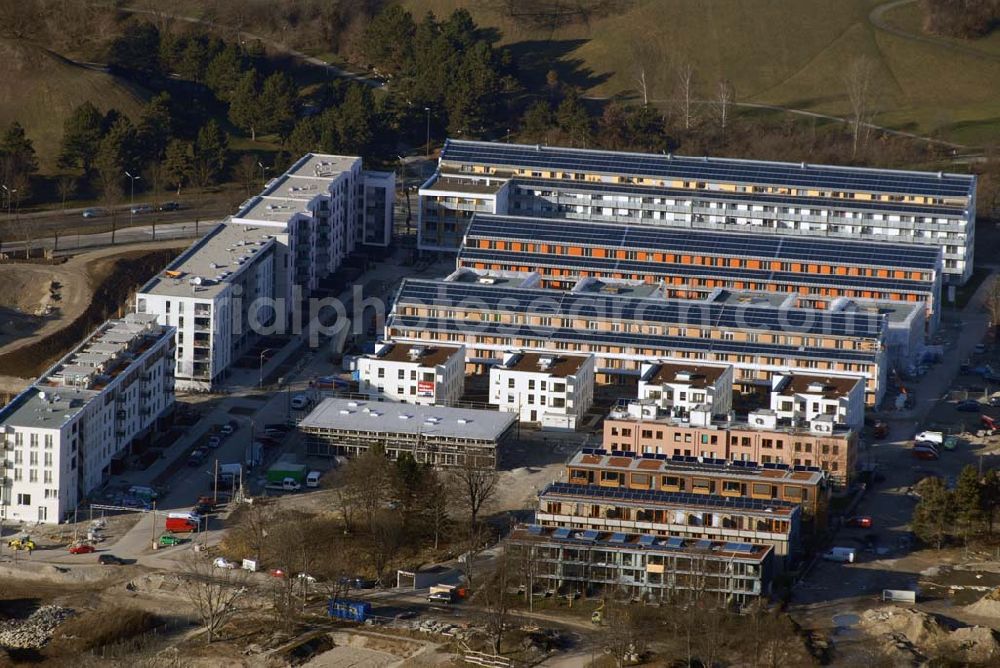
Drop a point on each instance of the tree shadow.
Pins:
(535, 58)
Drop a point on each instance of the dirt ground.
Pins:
(39, 300)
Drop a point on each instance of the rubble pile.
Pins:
(35, 631)
(908, 633)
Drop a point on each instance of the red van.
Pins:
(180, 525)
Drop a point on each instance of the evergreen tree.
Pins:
(573, 120)
(244, 105)
(991, 497)
(19, 151)
(137, 50)
(279, 99)
(305, 137)
(223, 74)
(968, 497)
(117, 153)
(212, 151)
(154, 130)
(177, 163)
(537, 122)
(82, 133)
(356, 123)
(934, 516)
(387, 40)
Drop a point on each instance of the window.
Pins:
(33, 440)
(531, 384)
(701, 486)
(761, 489)
(610, 476)
(48, 441)
(24, 499)
(641, 480)
(48, 459)
(647, 433)
(401, 374)
(732, 486)
(381, 373)
(673, 482)
(510, 383)
(47, 477)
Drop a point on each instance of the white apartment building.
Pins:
(427, 375)
(676, 389)
(378, 197)
(805, 398)
(447, 204)
(218, 295)
(59, 436)
(552, 390)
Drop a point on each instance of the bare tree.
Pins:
(685, 92)
(860, 88)
(388, 533)
(725, 95)
(620, 630)
(992, 303)
(363, 485)
(496, 608)
(476, 482)
(437, 506)
(215, 593)
(527, 568)
(256, 522)
(246, 172)
(111, 197)
(291, 550)
(476, 540)
(66, 186)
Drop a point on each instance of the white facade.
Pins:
(677, 389)
(554, 391)
(376, 214)
(819, 399)
(426, 375)
(218, 295)
(448, 203)
(60, 435)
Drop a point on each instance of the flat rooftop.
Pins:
(322, 165)
(895, 312)
(428, 355)
(625, 461)
(558, 366)
(632, 542)
(698, 376)
(204, 269)
(506, 279)
(831, 387)
(751, 298)
(603, 286)
(471, 186)
(393, 417)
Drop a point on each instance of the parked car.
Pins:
(110, 560)
(968, 406)
(169, 540)
(925, 454)
(440, 597)
(300, 402)
(170, 206)
(308, 578)
(277, 572)
(92, 213)
(862, 521)
(81, 548)
(214, 441)
(222, 562)
(228, 429)
(358, 582)
(196, 457)
(979, 349)
(994, 401)
(951, 442)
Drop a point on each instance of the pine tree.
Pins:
(212, 151)
(968, 496)
(305, 137)
(991, 497)
(934, 516)
(19, 150)
(223, 74)
(82, 133)
(177, 163)
(537, 122)
(355, 121)
(154, 130)
(117, 152)
(387, 39)
(279, 102)
(574, 120)
(244, 105)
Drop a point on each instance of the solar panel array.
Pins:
(504, 299)
(692, 464)
(744, 548)
(647, 540)
(576, 264)
(561, 533)
(701, 194)
(703, 544)
(704, 501)
(644, 540)
(547, 336)
(724, 170)
(697, 242)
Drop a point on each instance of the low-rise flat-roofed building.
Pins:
(791, 200)
(61, 435)
(624, 332)
(448, 203)
(644, 566)
(414, 374)
(692, 263)
(690, 516)
(554, 391)
(693, 475)
(437, 435)
(678, 388)
(759, 440)
(801, 398)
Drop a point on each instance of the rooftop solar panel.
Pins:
(647, 540)
(674, 542)
(560, 489)
(703, 544)
(617, 538)
(535, 529)
(723, 243)
(589, 535)
(561, 533)
(745, 548)
(705, 169)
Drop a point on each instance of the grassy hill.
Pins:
(39, 89)
(777, 52)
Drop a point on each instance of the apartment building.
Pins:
(377, 198)
(414, 374)
(218, 295)
(759, 440)
(554, 391)
(447, 204)
(436, 435)
(60, 435)
(677, 389)
(625, 331)
(718, 194)
(691, 263)
(806, 486)
(664, 514)
(644, 566)
(801, 398)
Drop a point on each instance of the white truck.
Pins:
(842, 554)
(935, 437)
(286, 485)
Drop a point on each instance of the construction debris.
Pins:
(36, 630)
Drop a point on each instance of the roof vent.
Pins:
(404, 417)
(802, 165)
(344, 411)
(940, 175)
(463, 421)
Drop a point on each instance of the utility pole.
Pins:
(215, 483)
(428, 152)
(152, 529)
(131, 203)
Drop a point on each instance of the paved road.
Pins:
(72, 243)
(877, 19)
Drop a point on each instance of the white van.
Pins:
(844, 554)
(935, 437)
(312, 479)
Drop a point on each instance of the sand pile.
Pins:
(987, 606)
(903, 630)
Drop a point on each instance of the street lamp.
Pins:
(10, 194)
(260, 372)
(131, 203)
(428, 139)
(262, 170)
